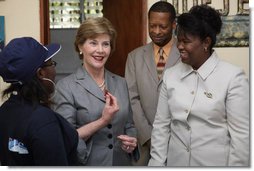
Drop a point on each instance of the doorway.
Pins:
(130, 20)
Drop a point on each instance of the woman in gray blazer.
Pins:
(96, 101)
(202, 116)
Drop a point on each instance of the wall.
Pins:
(21, 19)
(239, 56)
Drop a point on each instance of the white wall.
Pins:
(239, 56)
(21, 19)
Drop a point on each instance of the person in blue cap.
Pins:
(31, 134)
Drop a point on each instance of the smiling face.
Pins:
(96, 51)
(160, 27)
(191, 50)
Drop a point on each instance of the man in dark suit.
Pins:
(144, 70)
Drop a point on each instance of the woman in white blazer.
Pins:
(96, 101)
(202, 117)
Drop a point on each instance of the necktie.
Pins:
(161, 63)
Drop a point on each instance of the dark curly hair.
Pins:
(202, 21)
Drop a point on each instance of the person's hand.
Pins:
(128, 143)
(110, 108)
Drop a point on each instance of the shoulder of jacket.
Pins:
(115, 76)
(230, 68)
(140, 49)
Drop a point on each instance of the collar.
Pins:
(166, 48)
(85, 80)
(204, 70)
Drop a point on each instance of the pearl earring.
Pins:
(80, 53)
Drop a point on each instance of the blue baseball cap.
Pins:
(21, 57)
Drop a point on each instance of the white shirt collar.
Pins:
(204, 70)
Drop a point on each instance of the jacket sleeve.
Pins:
(161, 131)
(130, 128)
(64, 104)
(138, 113)
(237, 109)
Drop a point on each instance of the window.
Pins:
(70, 13)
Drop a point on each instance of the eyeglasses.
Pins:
(53, 63)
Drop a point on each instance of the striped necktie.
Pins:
(161, 64)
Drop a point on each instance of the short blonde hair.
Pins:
(91, 27)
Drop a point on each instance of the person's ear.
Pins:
(174, 24)
(207, 43)
(80, 47)
(40, 73)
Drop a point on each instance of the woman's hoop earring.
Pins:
(54, 85)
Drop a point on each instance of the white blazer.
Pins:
(202, 117)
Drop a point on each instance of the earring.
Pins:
(80, 53)
(205, 49)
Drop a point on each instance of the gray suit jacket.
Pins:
(144, 86)
(80, 101)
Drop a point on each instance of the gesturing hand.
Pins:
(110, 108)
(128, 143)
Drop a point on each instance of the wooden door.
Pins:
(129, 18)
